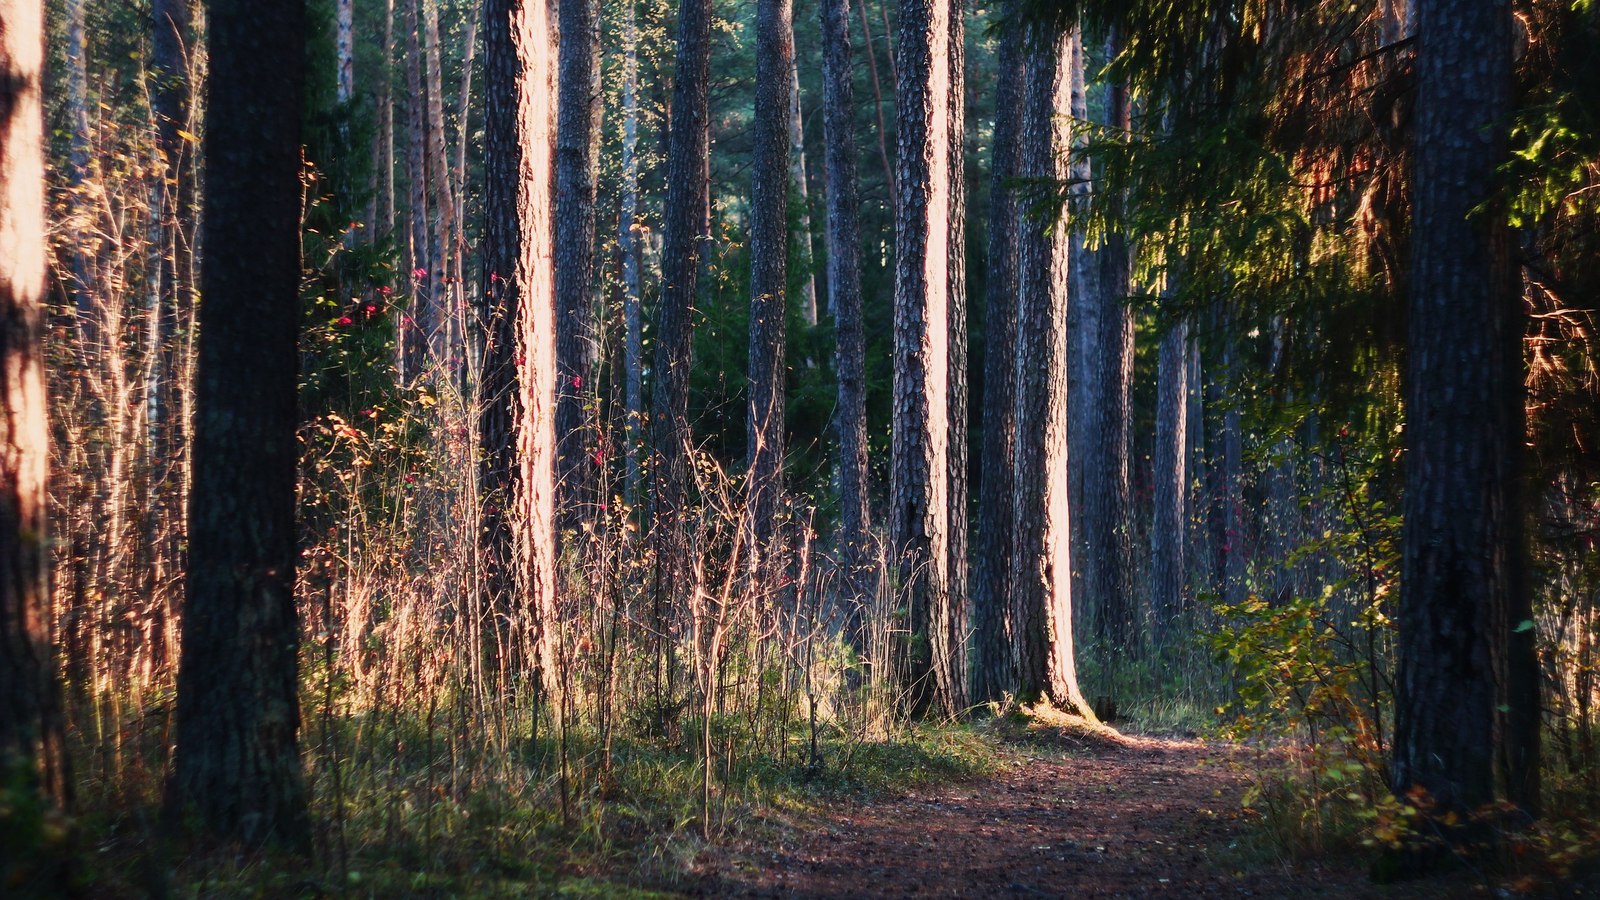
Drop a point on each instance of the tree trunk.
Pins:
(684, 223)
(797, 175)
(443, 280)
(31, 734)
(991, 599)
(844, 296)
(236, 768)
(1041, 584)
(419, 326)
(628, 244)
(516, 393)
(1104, 516)
(345, 47)
(1170, 515)
(956, 251)
(1466, 689)
(577, 154)
(769, 252)
(920, 497)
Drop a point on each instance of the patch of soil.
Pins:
(1101, 815)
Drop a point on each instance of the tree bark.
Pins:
(844, 296)
(1041, 584)
(1170, 514)
(236, 765)
(577, 154)
(31, 734)
(1105, 518)
(684, 223)
(991, 598)
(628, 244)
(516, 393)
(920, 497)
(769, 252)
(1466, 729)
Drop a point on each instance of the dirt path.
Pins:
(1109, 817)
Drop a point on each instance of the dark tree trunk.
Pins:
(577, 154)
(920, 497)
(1466, 691)
(992, 654)
(684, 222)
(769, 243)
(959, 614)
(1170, 515)
(1041, 584)
(31, 736)
(844, 296)
(1104, 515)
(236, 765)
(516, 393)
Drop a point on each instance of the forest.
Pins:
(655, 448)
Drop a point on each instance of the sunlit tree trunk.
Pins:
(236, 771)
(1041, 584)
(920, 497)
(769, 253)
(31, 734)
(991, 598)
(1467, 704)
(516, 393)
(844, 296)
(577, 154)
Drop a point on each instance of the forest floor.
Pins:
(1071, 813)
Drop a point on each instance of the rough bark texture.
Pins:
(959, 614)
(683, 241)
(1041, 584)
(992, 655)
(30, 725)
(516, 394)
(577, 155)
(920, 491)
(769, 272)
(1104, 515)
(844, 296)
(1169, 519)
(1463, 582)
(236, 766)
